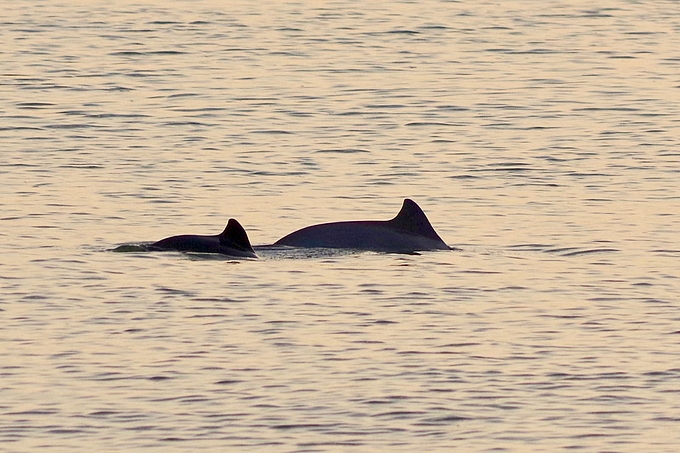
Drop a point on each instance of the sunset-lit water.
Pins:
(540, 138)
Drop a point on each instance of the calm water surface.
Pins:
(541, 138)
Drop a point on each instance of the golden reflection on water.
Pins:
(540, 141)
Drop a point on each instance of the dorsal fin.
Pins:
(235, 236)
(413, 220)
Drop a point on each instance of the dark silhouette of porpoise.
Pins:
(410, 231)
(233, 241)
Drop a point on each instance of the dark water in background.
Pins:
(541, 138)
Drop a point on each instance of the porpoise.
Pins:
(410, 231)
(233, 241)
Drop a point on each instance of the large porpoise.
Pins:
(410, 231)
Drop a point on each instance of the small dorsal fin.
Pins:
(235, 236)
(413, 220)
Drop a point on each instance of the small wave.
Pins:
(590, 252)
(403, 32)
(433, 123)
(71, 126)
(271, 132)
(136, 53)
(343, 151)
(130, 248)
(34, 105)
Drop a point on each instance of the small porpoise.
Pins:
(233, 241)
(408, 232)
